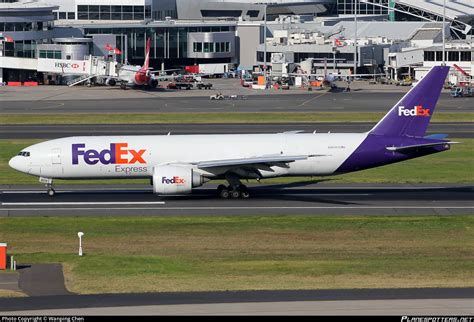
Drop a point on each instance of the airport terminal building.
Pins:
(216, 31)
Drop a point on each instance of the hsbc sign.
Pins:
(64, 66)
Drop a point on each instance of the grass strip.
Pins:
(204, 118)
(145, 254)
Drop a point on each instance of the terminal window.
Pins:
(50, 54)
(253, 13)
(346, 7)
(211, 47)
(221, 13)
(429, 56)
(85, 12)
(453, 55)
(466, 56)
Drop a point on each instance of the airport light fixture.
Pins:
(80, 234)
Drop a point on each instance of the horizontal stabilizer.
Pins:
(417, 146)
(436, 136)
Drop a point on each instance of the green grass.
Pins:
(454, 166)
(144, 254)
(229, 117)
(7, 294)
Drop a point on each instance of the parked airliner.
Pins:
(138, 76)
(178, 163)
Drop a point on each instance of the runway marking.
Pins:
(312, 99)
(81, 203)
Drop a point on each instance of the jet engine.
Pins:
(171, 179)
(110, 82)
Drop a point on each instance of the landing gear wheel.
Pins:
(51, 192)
(224, 193)
(235, 194)
(244, 193)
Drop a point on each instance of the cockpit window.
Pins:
(24, 154)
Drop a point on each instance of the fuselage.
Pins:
(134, 76)
(135, 156)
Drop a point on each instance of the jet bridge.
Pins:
(89, 67)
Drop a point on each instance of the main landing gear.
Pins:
(233, 192)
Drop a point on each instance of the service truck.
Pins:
(215, 70)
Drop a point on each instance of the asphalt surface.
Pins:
(312, 102)
(42, 280)
(424, 307)
(290, 199)
(121, 300)
(35, 131)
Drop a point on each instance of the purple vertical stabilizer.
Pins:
(412, 114)
(403, 126)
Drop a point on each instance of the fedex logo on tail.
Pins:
(415, 111)
(118, 153)
(174, 180)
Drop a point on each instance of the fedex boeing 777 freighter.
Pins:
(178, 163)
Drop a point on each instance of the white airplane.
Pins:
(178, 163)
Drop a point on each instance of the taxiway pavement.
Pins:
(313, 102)
(427, 301)
(287, 199)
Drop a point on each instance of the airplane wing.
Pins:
(272, 160)
(151, 71)
(130, 69)
(164, 77)
(417, 146)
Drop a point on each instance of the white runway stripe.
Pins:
(80, 203)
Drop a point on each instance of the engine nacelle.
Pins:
(171, 179)
(110, 82)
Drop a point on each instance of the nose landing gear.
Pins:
(51, 192)
(49, 186)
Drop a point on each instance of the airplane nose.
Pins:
(15, 163)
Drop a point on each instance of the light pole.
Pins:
(80, 234)
(444, 36)
(355, 37)
(265, 44)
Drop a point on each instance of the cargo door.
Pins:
(57, 169)
(56, 156)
